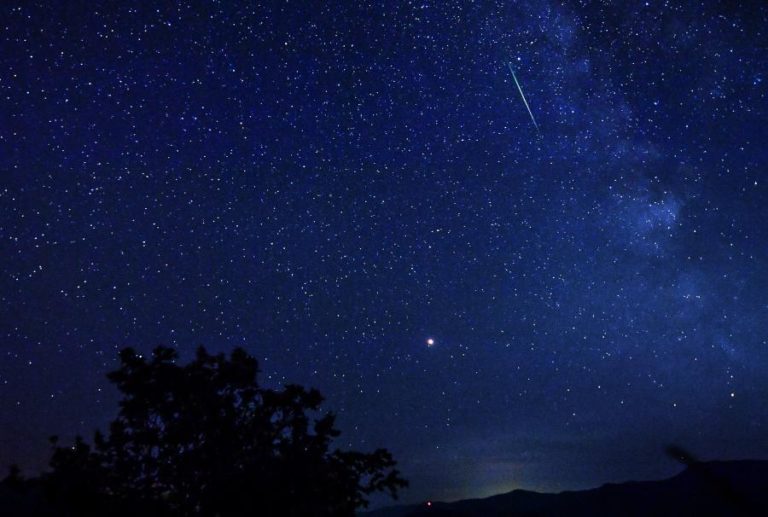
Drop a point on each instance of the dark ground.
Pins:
(710, 488)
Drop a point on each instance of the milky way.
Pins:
(330, 185)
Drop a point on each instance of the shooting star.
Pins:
(523, 96)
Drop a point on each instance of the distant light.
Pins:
(429, 503)
(430, 341)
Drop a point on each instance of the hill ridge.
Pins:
(734, 487)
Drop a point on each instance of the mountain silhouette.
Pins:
(729, 488)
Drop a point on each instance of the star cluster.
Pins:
(355, 193)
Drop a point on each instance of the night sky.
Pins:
(332, 184)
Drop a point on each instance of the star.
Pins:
(327, 200)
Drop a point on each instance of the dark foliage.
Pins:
(205, 439)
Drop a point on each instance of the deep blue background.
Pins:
(329, 184)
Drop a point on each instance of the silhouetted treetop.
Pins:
(205, 439)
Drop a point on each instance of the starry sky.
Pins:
(332, 184)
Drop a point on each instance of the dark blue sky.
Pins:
(331, 184)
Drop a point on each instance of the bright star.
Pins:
(430, 341)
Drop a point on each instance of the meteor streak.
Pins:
(523, 96)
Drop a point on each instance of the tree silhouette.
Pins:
(206, 439)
